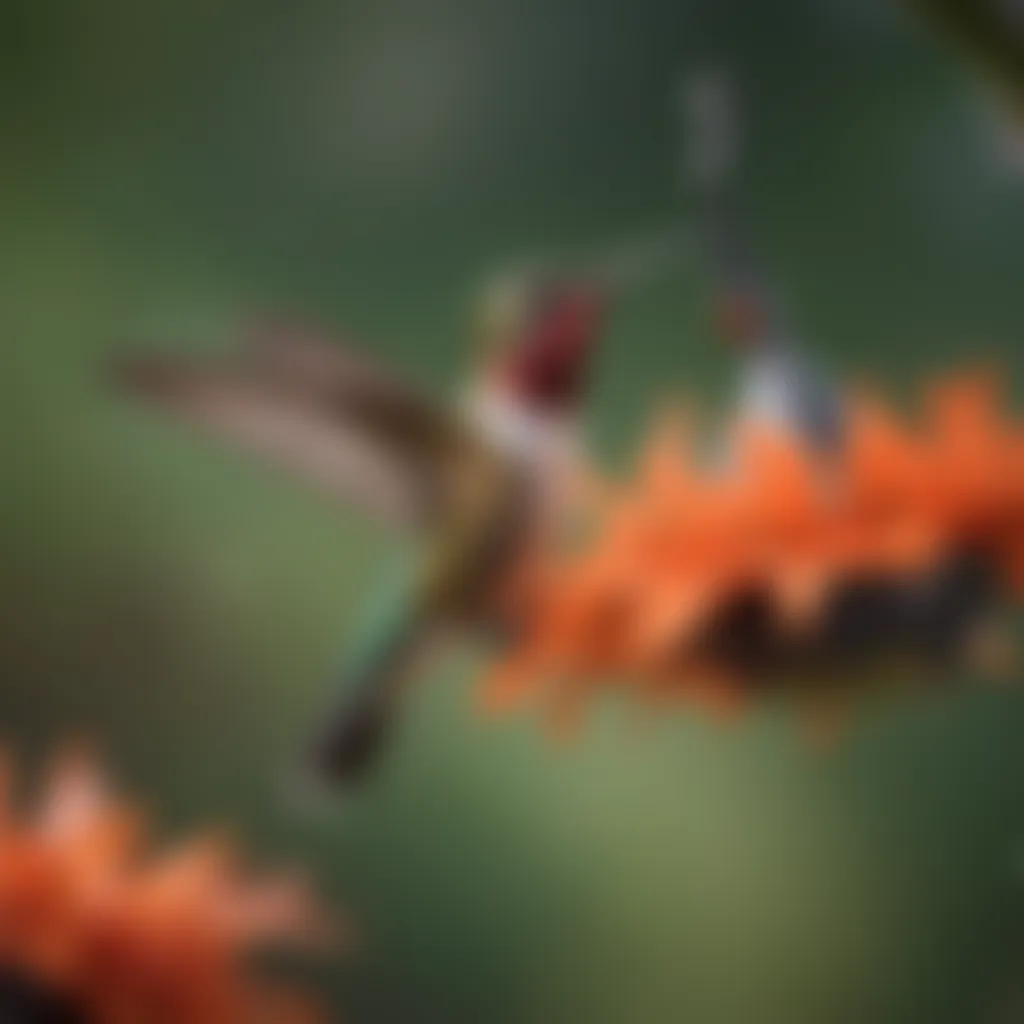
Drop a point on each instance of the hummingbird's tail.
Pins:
(349, 744)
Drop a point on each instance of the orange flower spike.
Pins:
(976, 447)
(800, 593)
(966, 407)
(780, 475)
(896, 501)
(883, 452)
(667, 618)
(193, 875)
(908, 544)
(127, 939)
(664, 469)
(803, 521)
(81, 820)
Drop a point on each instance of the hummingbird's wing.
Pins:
(332, 370)
(346, 380)
(328, 415)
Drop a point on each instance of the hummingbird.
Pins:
(476, 483)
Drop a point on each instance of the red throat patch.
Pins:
(549, 365)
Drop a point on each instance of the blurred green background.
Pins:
(167, 169)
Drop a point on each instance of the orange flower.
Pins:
(654, 597)
(89, 919)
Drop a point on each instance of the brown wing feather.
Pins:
(340, 375)
(351, 435)
(306, 359)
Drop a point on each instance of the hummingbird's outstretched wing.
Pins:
(327, 414)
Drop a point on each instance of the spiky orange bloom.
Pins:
(126, 937)
(682, 542)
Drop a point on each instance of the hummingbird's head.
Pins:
(539, 337)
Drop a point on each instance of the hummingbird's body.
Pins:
(453, 585)
(478, 482)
